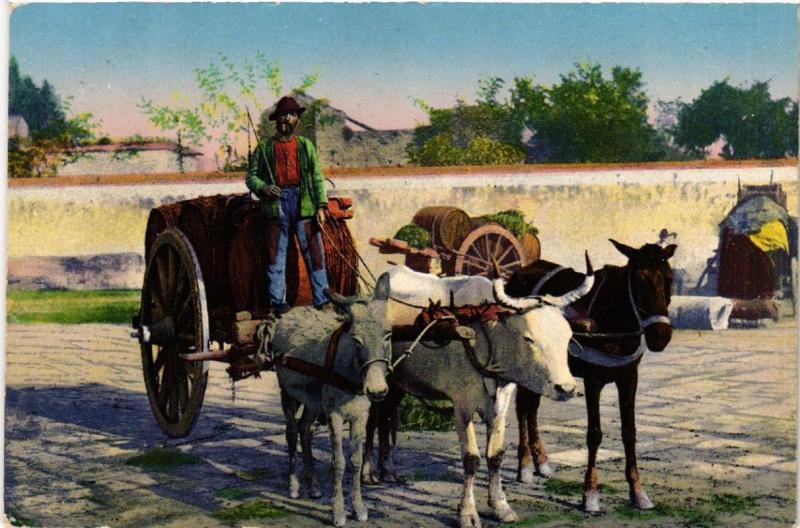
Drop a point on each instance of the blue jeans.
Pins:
(310, 239)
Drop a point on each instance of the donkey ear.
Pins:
(622, 248)
(669, 251)
(338, 300)
(382, 288)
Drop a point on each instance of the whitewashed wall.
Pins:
(574, 211)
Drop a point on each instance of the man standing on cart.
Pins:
(286, 176)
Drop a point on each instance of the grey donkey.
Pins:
(364, 351)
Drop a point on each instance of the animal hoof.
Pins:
(368, 479)
(505, 514)
(545, 469)
(525, 474)
(294, 487)
(591, 502)
(339, 519)
(361, 514)
(390, 476)
(470, 521)
(641, 501)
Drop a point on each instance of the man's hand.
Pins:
(271, 191)
(320, 216)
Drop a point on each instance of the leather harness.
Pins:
(325, 373)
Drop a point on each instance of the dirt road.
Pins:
(716, 413)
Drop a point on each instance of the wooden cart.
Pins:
(463, 245)
(205, 291)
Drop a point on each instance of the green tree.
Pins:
(588, 118)
(54, 129)
(482, 133)
(226, 92)
(39, 107)
(752, 124)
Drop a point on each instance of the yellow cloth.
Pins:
(771, 236)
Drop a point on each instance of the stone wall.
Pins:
(129, 162)
(574, 210)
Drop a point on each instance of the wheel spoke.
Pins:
(181, 287)
(162, 389)
(497, 246)
(485, 244)
(158, 364)
(172, 391)
(163, 279)
(183, 392)
(510, 266)
(505, 253)
(183, 311)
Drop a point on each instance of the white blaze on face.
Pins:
(547, 333)
(370, 328)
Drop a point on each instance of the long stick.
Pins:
(258, 143)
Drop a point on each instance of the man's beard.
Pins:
(285, 128)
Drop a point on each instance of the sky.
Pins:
(374, 60)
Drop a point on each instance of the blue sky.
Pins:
(376, 59)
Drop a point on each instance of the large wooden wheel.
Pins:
(173, 321)
(485, 245)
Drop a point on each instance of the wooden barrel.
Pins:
(158, 220)
(340, 256)
(449, 226)
(247, 260)
(247, 263)
(202, 220)
(531, 247)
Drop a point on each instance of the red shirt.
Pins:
(287, 171)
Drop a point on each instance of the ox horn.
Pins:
(572, 296)
(522, 303)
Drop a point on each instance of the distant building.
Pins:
(17, 127)
(342, 141)
(131, 158)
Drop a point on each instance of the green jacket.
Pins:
(312, 184)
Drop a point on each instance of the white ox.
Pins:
(528, 348)
(412, 290)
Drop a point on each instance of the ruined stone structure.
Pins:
(343, 141)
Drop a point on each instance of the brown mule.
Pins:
(625, 305)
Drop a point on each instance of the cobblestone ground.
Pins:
(716, 426)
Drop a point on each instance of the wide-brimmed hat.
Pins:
(286, 104)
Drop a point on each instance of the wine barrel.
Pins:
(449, 226)
(247, 264)
(202, 220)
(247, 260)
(158, 220)
(531, 247)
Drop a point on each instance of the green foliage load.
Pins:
(417, 415)
(414, 236)
(512, 220)
(751, 122)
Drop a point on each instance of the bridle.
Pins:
(386, 357)
(653, 319)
